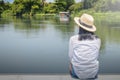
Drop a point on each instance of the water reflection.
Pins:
(109, 33)
(36, 25)
(40, 45)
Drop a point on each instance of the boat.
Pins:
(64, 16)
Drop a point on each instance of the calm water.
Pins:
(40, 45)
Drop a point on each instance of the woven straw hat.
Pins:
(86, 22)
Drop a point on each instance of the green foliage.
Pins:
(102, 5)
(50, 8)
(89, 3)
(34, 8)
(4, 6)
(63, 5)
(31, 7)
(69, 3)
(76, 7)
(1, 6)
(60, 7)
(17, 7)
(107, 5)
(6, 13)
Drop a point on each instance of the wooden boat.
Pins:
(64, 16)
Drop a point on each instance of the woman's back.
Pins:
(84, 49)
(84, 57)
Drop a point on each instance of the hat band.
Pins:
(88, 26)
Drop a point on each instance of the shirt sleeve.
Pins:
(70, 49)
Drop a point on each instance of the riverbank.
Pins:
(107, 17)
(114, 15)
(100, 14)
(53, 77)
(111, 17)
(45, 14)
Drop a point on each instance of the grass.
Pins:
(45, 14)
(108, 16)
(105, 16)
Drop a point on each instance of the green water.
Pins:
(40, 45)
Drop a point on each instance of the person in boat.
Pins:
(84, 49)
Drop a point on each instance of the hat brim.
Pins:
(77, 19)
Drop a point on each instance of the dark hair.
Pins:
(86, 35)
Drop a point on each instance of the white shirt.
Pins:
(83, 56)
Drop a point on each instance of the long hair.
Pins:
(86, 35)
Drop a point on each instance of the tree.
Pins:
(1, 6)
(63, 5)
(29, 7)
(4, 6)
(76, 7)
(50, 8)
(89, 3)
(107, 5)
(114, 5)
(17, 7)
(69, 3)
(60, 5)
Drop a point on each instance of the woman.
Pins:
(84, 49)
